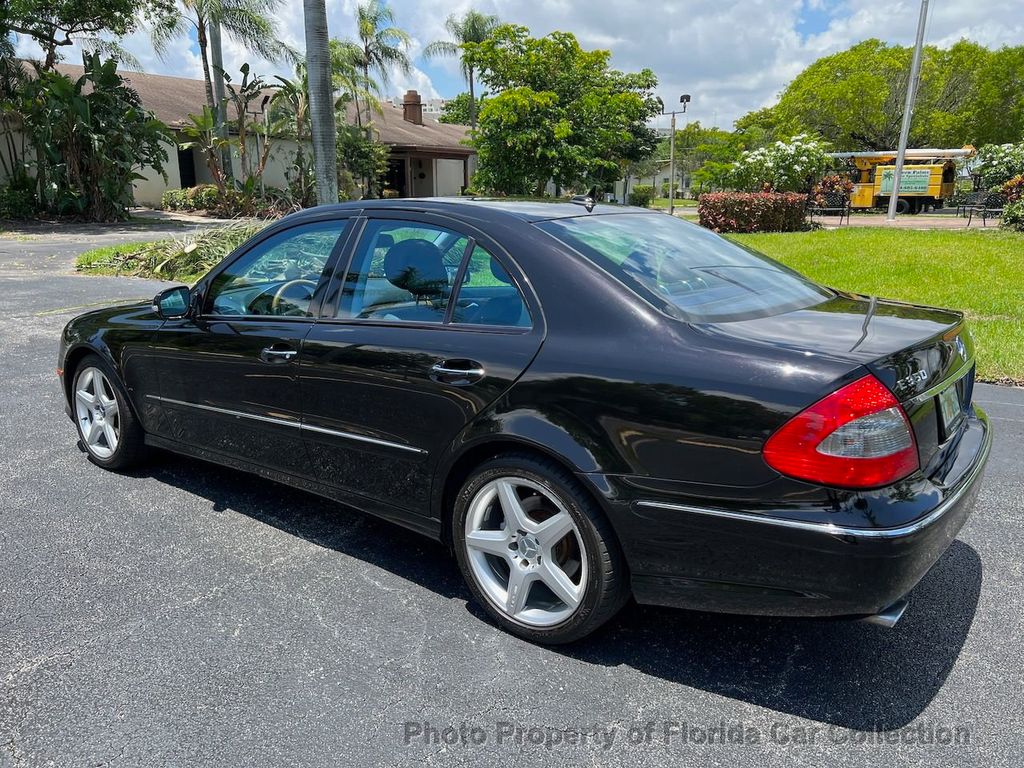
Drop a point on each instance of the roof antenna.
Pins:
(587, 200)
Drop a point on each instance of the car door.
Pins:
(228, 374)
(406, 353)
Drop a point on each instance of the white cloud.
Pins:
(730, 55)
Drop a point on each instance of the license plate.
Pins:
(951, 408)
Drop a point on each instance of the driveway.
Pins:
(186, 614)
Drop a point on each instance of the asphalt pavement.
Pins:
(185, 615)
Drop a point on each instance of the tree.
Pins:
(855, 98)
(91, 136)
(383, 44)
(321, 101)
(473, 27)
(349, 80)
(560, 112)
(55, 24)
(249, 22)
(362, 157)
(461, 110)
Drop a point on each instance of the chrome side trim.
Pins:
(932, 391)
(287, 423)
(839, 530)
(889, 617)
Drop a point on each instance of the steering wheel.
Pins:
(282, 291)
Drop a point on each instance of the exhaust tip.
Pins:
(890, 616)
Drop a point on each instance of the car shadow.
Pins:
(837, 672)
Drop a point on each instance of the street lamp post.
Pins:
(908, 111)
(684, 100)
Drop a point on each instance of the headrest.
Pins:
(416, 266)
(384, 240)
(499, 272)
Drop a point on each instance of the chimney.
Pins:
(412, 108)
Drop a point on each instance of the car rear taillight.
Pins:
(857, 437)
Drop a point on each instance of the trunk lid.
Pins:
(917, 352)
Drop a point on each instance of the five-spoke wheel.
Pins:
(97, 411)
(525, 551)
(108, 429)
(536, 550)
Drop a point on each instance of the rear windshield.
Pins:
(687, 270)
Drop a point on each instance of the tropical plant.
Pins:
(473, 27)
(350, 82)
(1013, 216)
(91, 136)
(249, 22)
(249, 90)
(382, 44)
(201, 133)
(362, 157)
(321, 102)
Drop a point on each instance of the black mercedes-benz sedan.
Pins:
(587, 403)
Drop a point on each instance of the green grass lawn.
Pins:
(980, 273)
(681, 202)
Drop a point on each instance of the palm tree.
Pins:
(321, 101)
(474, 27)
(348, 79)
(249, 22)
(382, 44)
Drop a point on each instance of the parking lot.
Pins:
(187, 614)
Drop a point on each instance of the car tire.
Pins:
(551, 572)
(108, 431)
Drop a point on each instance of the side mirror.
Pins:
(173, 302)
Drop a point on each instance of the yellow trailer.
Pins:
(929, 177)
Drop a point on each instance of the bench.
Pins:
(990, 207)
(829, 204)
(969, 201)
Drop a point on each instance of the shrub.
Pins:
(389, 194)
(641, 195)
(1013, 216)
(998, 163)
(752, 211)
(204, 197)
(17, 202)
(664, 189)
(783, 166)
(173, 200)
(1013, 190)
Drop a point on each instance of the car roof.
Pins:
(495, 208)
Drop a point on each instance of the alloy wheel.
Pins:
(526, 552)
(97, 412)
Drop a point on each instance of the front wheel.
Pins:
(106, 425)
(536, 551)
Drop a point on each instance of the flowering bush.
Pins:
(1013, 190)
(998, 163)
(831, 183)
(752, 211)
(782, 166)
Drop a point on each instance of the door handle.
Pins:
(277, 354)
(457, 371)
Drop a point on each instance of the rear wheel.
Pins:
(108, 430)
(536, 551)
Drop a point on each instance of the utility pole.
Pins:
(684, 100)
(908, 109)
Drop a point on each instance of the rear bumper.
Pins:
(692, 556)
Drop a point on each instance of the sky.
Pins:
(731, 56)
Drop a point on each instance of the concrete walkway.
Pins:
(908, 221)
